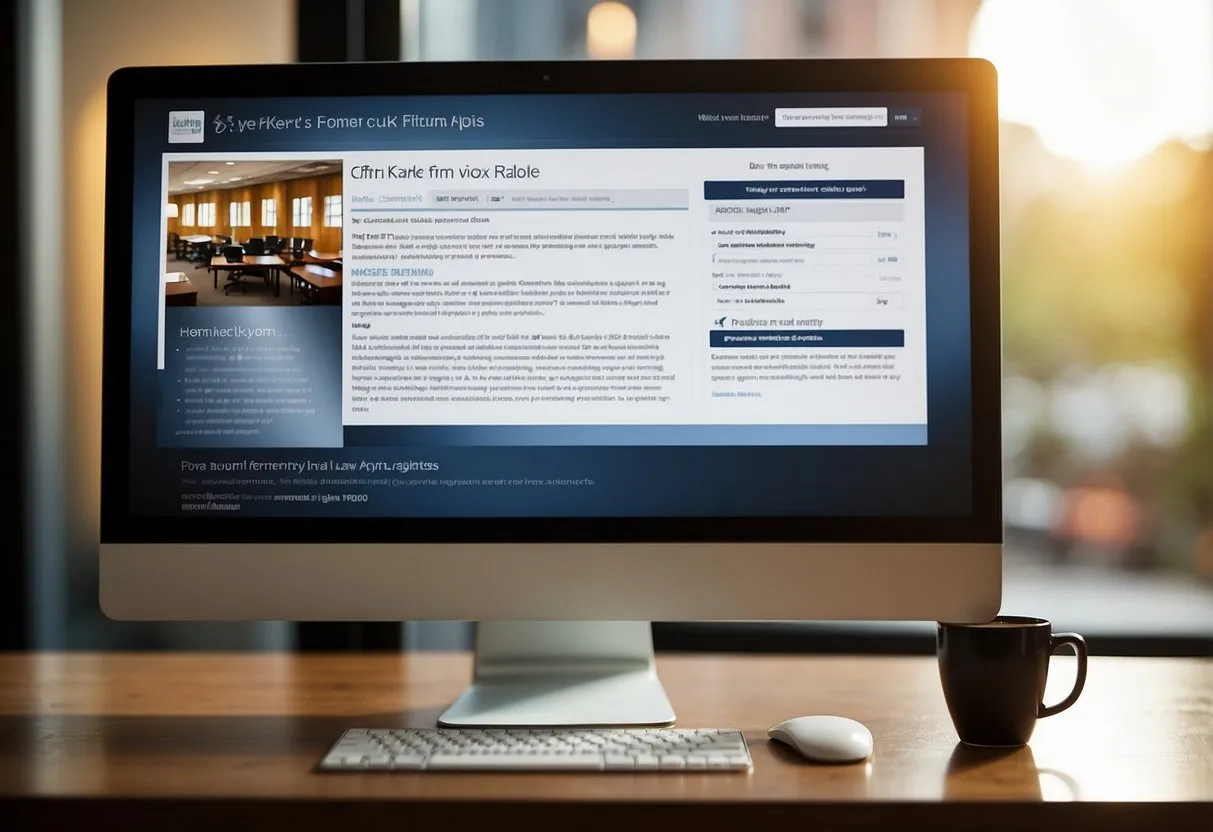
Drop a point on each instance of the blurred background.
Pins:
(1107, 186)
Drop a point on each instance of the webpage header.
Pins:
(618, 120)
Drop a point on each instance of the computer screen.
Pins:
(599, 305)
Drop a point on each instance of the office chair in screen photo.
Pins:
(236, 277)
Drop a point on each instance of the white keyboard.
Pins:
(538, 749)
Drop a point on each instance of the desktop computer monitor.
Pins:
(560, 348)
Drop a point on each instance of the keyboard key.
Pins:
(647, 761)
(722, 744)
(520, 762)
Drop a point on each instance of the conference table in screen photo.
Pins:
(271, 263)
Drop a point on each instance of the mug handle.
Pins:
(1080, 679)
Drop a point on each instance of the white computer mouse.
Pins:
(825, 739)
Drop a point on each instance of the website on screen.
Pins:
(634, 305)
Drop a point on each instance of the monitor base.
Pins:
(562, 673)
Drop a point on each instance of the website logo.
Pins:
(186, 126)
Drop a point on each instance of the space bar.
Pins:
(515, 762)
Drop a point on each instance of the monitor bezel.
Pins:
(975, 78)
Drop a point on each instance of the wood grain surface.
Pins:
(217, 736)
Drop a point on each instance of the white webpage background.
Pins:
(688, 313)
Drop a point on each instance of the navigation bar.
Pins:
(562, 198)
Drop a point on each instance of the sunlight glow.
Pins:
(1101, 81)
(610, 30)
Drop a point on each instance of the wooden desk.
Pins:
(177, 741)
(323, 284)
(322, 258)
(179, 290)
(270, 262)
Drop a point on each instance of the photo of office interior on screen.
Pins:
(268, 232)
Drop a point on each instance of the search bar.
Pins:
(831, 116)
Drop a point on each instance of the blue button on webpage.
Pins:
(781, 338)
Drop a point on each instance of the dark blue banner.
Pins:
(781, 338)
(807, 189)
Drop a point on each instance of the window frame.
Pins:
(298, 203)
(239, 213)
(272, 220)
(326, 216)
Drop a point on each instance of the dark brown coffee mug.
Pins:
(994, 676)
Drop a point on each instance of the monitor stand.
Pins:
(573, 673)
